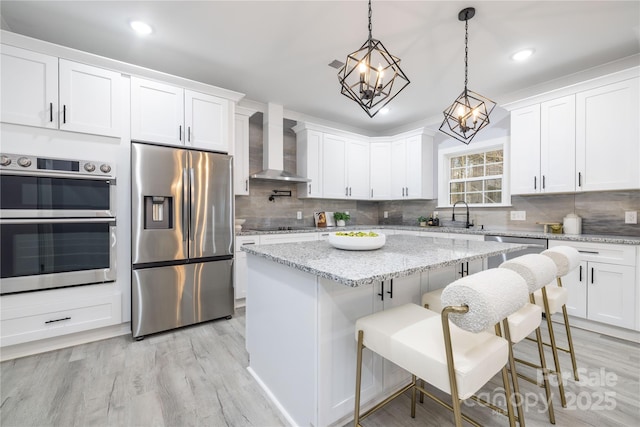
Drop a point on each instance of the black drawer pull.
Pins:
(592, 275)
(51, 112)
(580, 274)
(589, 252)
(390, 291)
(57, 320)
(381, 294)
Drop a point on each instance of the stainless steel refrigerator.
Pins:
(182, 237)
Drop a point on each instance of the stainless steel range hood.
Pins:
(273, 148)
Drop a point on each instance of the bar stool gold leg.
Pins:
(514, 375)
(554, 349)
(356, 411)
(545, 371)
(569, 339)
(413, 396)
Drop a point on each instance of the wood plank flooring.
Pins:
(197, 376)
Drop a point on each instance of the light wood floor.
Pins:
(197, 376)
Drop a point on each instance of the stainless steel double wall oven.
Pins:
(57, 223)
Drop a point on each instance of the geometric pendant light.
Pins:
(371, 76)
(470, 112)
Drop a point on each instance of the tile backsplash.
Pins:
(601, 212)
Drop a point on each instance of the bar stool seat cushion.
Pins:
(565, 257)
(537, 270)
(557, 298)
(433, 300)
(524, 321)
(411, 337)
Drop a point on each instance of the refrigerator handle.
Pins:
(185, 195)
(192, 219)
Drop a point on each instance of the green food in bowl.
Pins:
(356, 234)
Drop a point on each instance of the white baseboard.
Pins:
(63, 341)
(271, 397)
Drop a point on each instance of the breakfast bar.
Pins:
(302, 303)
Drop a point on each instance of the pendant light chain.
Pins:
(466, 52)
(370, 26)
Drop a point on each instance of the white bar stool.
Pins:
(451, 351)
(553, 299)
(537, 270)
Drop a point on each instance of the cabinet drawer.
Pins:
(23, 324)
(601, 252)
(246, 240)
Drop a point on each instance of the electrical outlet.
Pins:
(631, 217)
(385, 214)
(299, 215)
(518, 215)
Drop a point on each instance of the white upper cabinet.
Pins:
(309, 162)
(607, 134)
(334, 167)
(380, 170)
(543, 147)
(44, 91)
(357, 153)
(168, 114)
(412, 168)
(241, 155)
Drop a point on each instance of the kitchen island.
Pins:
(302, 303)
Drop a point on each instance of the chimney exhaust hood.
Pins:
(273, 148)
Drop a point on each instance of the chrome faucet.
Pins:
(453, 213)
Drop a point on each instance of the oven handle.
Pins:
(53, 174)
(108, 220)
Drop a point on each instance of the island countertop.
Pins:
(401, 256)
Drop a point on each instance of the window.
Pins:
(475, 175)
(476, 178)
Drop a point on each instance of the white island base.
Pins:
(300, 339)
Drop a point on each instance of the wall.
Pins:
(601, 212)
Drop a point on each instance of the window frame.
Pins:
(444, 169)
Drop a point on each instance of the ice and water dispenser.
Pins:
(158, 212)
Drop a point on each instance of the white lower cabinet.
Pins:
(46, 314)
(339, 308)
(603, 288)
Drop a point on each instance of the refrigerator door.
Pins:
(210, 205)
(159, 228)
(164, 298)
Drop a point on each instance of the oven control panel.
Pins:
(48, 165)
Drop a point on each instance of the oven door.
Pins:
(38, 254)
(34, 195)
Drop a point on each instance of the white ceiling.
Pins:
(279, 51)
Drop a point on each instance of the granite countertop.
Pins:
(400, 256)
(595, 238)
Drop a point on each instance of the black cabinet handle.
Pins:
(535, 182)
(579, 179)
(246, 185)
(544, 182)
(189, 133)
(309, 188)
(390, 291)
(64, 114)
(592, 275)
(57, 320)
(381, 294)
(372, 192)
(180, 133)
(346, 191)
(580, 280)
(51, 112)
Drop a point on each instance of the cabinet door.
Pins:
(29, 88)
(558, 145)
(358, 169)
(398, 169)
(380, 170)
(414, 167)
(309, 162)
(241, 156)
(334, 167)
(611, 294)
(607, 134)
(525, 150)
(89, 99)
(576, 284)
(241, 275)
(157, 112)
(399, 291)
(206, 121)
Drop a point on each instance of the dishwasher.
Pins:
(534, 246)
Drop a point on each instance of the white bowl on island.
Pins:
(238, 224)
(357, 240)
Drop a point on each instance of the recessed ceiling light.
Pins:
(522, 54)
(384, 110)
(142, 28)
